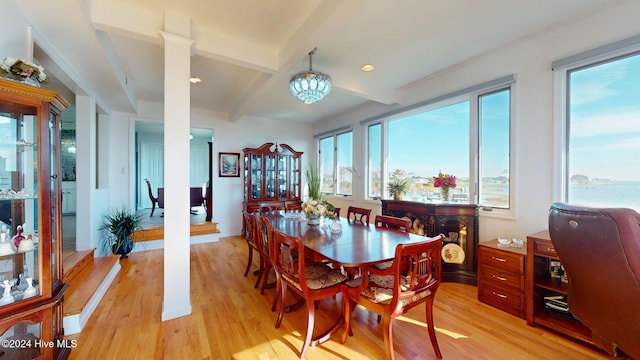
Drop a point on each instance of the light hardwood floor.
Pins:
(231, 320)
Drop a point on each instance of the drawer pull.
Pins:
(551, 250)
(499, 278)
(498, 259)
(499, 295)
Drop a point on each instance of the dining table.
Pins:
(356, 245)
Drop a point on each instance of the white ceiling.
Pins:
(245, 51)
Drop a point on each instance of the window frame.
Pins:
(472, 95)
(336, 174)
(561, 72)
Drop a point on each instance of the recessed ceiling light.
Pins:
(367, 67)
(195, 80)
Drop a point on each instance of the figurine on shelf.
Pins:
(30, 290)
(18, 237)
(6, 248)
(26, 244)
(7, 298)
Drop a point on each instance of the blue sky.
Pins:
(605, 118)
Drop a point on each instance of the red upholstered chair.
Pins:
(600, 251)
(310, 280)
(391, 292)
(392, 222)
(358, 214)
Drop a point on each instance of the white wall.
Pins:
(530, 60)
(227, 193)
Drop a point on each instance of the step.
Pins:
(75, 261)
(85, 291)
(157, 233)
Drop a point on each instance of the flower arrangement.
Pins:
(317, 208)
(444, 180)
(21, 70)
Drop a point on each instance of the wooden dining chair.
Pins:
(392, 222)
(154, 200)
(358, 214)
(292, 206)
(266, 207)
(249, 233)
(310, 280)
(392, 292)
(264, 240)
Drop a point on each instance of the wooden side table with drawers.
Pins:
(501, 279)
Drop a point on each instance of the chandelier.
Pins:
(310, 86)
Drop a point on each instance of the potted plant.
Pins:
(120, 224)
(397, 188)
(313, 182)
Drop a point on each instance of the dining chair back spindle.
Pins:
(391, 292)
(358, 214)
(310, 280)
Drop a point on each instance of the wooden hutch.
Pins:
(272, 173)
(457, 221)
(30, 197)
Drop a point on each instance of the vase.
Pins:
(445, 193)
(336, 226)
(122, 248)
(313, 220)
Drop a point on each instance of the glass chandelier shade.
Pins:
(310, 86)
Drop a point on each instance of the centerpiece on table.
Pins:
(315, 207)
(23, 71)
(445, 182)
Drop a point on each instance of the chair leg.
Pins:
(283, 298)
(246, 271)
(431, 328)
(348, 306)
(388, 337)
(311, 312)
(260, 272)
(265, 279)
(276, 297)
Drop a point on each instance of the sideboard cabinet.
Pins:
(30, 230)
(272, 172)
(458, 223)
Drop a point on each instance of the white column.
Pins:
(177, 107)
(85, 172)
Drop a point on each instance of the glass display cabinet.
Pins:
(30, 223)
(272, 173)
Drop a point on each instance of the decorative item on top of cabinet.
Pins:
(30, 210)
(272, 173)
(501, 276)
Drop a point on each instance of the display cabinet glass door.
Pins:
(256, 176)
(295, 177)
(270, 177)
(19, 265)
(51, 171)
(282, 176)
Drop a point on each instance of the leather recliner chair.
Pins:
(600, 251)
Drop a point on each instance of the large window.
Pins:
(603, 126)
(336, 164)
(422, 145)
(494, 117)
(465, 134)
